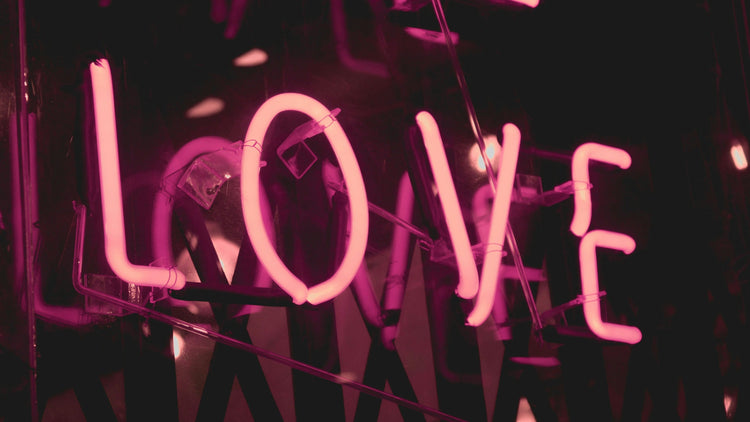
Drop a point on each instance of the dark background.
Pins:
(666, 82)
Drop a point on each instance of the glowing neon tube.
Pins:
(493, 253)
(481, 212)
(250, 188)
(530, 3)
(590, 284)
(468, 278)
(161, 219)
(580, 174)
(115, 248)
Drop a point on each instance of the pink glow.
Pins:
(580, 173)
(530, 3)
(481, 210)
(251, 58)
(207, 107)
(738, 157)
(492, 149)
(161, 220)
(178, 344)
(250, 185)
(590, 284)
(468, 278)
(109, 177)
(494, 245)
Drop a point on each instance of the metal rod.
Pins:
(474, 121)
(526, 287)
(388, 216)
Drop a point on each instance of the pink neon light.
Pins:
(109, 177)
(468, 278)
(738, 157)
(481, 209)
(530, 3)
(161, 219)
(250, 185)
(494, 245)
(580, 173)
(590, 284)
(207, 107)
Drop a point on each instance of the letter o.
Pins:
(250, 183)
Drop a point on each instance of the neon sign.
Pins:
(587, 248)
(468, 277)
(250, 190)
(469, 284)
(115, 248)
(590, 284)
(580, 173)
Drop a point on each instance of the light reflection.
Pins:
(226, 250)
(524, 411)
(493, 150)
(530, 3)
(178, 344)
(739, 157)
(208, 107)
(253, 57)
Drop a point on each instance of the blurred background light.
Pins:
(253, 57)
(178, 343)
(739, 157)
(208, 107)
(493, 150)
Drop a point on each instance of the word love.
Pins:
(470, 285)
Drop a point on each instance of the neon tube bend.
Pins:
(580, 174)
(493, 254)
(111, 192)
(161, 221)
(590, 284)
(481, 212)
(250, 184)
(468, 277)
